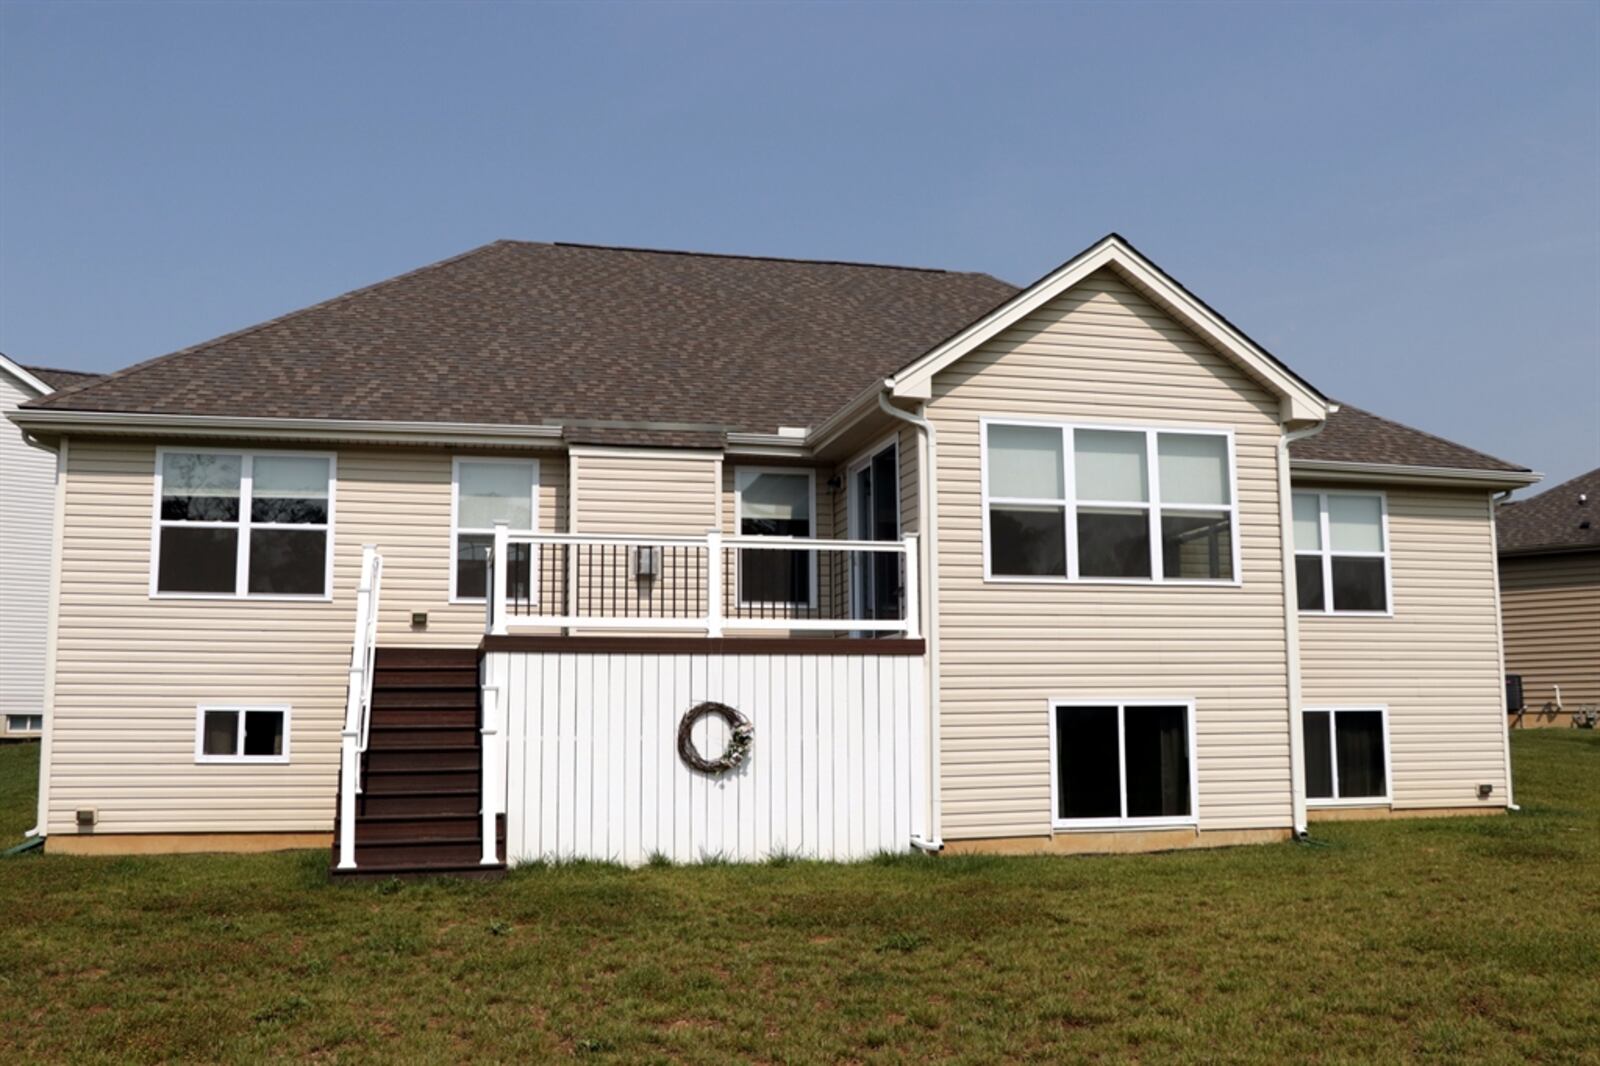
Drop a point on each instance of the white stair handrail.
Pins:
(358, 701)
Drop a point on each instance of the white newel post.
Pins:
(913, 605)
(355, 695)
(713, 582)
(500, 571)
(489, 775)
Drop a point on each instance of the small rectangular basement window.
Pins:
(1347, 756)
(241, 734)
(1121, 764)
(24, 723)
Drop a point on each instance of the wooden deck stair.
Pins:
(419, 808)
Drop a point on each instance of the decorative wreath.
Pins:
(744, 736)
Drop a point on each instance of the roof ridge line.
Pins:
(128, 371)
(740, 255)
(58, 369)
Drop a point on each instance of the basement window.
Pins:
(241, 734)
(1347, 756)
(243, 524)
(1118, 764)
(1341, 552)
(24, 723)
(1108, 504)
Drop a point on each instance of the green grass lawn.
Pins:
(1450, 939)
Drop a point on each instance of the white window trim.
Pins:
(1152, 506)
(1384, 800)
(1327, 553)
(742, 475)
(235, 760)
(455, 510)
(1122, 704)
(247, 457)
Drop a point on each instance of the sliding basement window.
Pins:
(243, 525)
(1347, 756)
(1127, 764)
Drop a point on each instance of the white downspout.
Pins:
(52, 625)
(1291, 627)
(1495, 500)
(928, 499)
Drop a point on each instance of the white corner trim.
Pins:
(1300, 401)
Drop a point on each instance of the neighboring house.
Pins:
(1072, 567)
(27, 515)
(1550, 599)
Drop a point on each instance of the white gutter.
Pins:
(1500, 641)
(928, 497)
(52, 421)
(1291, 626)
(1330, 470)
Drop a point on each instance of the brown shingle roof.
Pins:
(61, 379)
(1554, 520)
(1352, 435)
(556, 334)
(523, 333)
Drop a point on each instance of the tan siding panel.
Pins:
(131, 669)
(1102, 353)
(1435, 663)
(1551, 606)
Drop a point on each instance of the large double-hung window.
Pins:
(1076, 503)
(243, 524)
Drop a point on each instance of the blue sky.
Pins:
(1402, 202)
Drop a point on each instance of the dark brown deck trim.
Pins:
(648, 645)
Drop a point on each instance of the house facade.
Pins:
(27, 522)
(1550, 592)
(470, 566)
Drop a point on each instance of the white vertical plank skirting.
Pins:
(592, 769)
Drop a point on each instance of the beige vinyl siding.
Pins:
(1551, 610)
(131, 669)
(1436, 663)
(27, 512)
(1103, 353)
(639, 491)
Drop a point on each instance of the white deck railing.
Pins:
(358, 701)
(710, 584)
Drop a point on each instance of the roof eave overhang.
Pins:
(1549, 549)
(1394, 474)
(54, 422)
(1299, 402)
